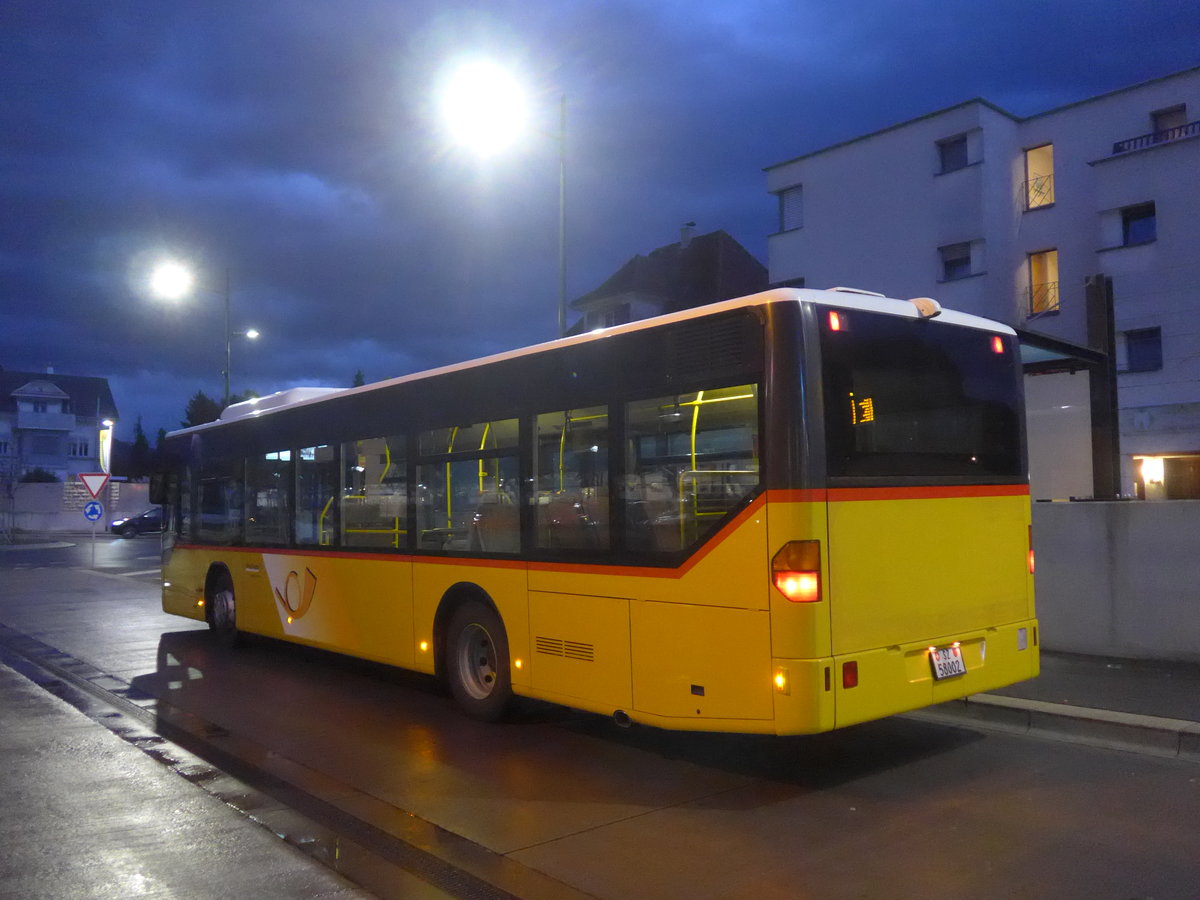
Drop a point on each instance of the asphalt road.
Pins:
(561, 803)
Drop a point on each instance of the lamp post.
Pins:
(486, 110)
(173, 280)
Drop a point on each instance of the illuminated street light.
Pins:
(173, 280)
(486, 110)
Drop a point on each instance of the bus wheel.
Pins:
(222, 613)
(477, 662)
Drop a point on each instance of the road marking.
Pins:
(154, 571)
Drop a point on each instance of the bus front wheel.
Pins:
(222, 613)
(477, 662)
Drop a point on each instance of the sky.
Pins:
(295, 149)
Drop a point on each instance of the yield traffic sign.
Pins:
(94, 482)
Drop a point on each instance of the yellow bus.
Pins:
(785, 513)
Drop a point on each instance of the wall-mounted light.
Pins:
(1152, 469)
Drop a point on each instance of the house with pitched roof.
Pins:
(694, 271)
(59, 423)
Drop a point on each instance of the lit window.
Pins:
(1039, 176)
(1143, 350)
(956, 261)
(791, 208)
(1138, 224)
(1043, 282)
(952, 153)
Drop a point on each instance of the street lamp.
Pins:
(486, 109)
(173, 280)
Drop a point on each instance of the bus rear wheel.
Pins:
(222, 613)
(477, 665)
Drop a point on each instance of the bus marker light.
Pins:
(835, 321)
(517, 663)
(997, 344)
(796, 571)
(424, 645)
(850, 674)
(290, 620)
(1022, 639)
(781, 681)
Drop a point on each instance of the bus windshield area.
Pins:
(909, 397)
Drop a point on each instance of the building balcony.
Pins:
(1191, 129)
(1043, 298)
(45, 421)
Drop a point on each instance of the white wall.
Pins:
(1119, 578)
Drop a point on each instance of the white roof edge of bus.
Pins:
(844, 299)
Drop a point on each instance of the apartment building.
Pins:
(62, 424)
(1008, 217)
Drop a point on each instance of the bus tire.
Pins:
(222, 612)
(477, 666)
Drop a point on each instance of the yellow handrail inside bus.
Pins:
(325, 536)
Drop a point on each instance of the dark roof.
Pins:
(88, 393)
(712, 267)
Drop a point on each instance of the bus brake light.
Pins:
(796, 571)
(835, 320)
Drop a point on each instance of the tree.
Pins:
(359, 381)
(140, 461)
(201, 409)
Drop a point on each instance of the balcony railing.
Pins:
(45, 421)
(1191, 129)
(1039, 191)
(1043, 298)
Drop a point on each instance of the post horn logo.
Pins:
(295, 600)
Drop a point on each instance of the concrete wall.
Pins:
(1119, 578)
(59, 507)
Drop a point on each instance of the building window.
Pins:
(1138, 224)
(3, 448)
(1166, 120)
(952, 153)
(1039, 176)
(956, 261)
(40, 406)
(1143, 350)
(1043, 282)
(791, 208)
(618, 314)
(77, 448)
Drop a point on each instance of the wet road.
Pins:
(562, 803)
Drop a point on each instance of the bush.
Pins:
(38, 476)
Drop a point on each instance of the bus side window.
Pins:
(571, 476)
(374, 493)
(219, 519)
(267, 514)
(690, 460)
(467, 493)
(317, 479)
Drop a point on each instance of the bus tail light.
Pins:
(1031, 550)
(850, 674)
(796, 571)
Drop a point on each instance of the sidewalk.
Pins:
(1145, 706)
(90, 815)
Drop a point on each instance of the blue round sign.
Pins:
(93, 510)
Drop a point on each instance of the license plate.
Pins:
(947, 662)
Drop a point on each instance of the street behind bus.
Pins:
(562, 803)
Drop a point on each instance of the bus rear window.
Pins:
(907, 397)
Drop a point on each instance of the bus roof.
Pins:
(846, 298)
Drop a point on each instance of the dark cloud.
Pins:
(295, 147)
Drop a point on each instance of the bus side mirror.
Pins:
(160, 488)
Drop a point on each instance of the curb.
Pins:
(1153, 735)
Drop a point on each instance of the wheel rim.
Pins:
(477, 664)
(222, 610)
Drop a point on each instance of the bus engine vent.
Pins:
(567, 649)
(706, 347)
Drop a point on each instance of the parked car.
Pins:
(142, 523)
